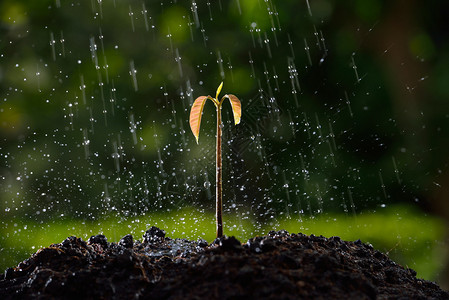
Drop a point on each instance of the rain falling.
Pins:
(95, 137)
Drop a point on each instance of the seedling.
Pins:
(195, 122)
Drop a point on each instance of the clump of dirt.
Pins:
(277, 266)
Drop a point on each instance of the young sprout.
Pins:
(195, 122)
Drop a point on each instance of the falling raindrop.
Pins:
(133, 73)
(85, 137)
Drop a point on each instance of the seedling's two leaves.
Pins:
(196, 111)
(195, 115)
(236, 107)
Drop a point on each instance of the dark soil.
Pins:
(277, 266)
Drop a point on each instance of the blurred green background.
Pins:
(344, 128)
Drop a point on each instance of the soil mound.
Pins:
(277, 266)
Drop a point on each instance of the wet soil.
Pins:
(277, 266)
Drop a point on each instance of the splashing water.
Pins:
(95, 118)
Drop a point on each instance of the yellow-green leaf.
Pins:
(195, 115)
(236, 107)
(219, 90)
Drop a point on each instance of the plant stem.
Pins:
(218, 195)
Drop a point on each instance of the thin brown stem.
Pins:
(218, 195)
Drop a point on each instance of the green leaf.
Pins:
(219, 90)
